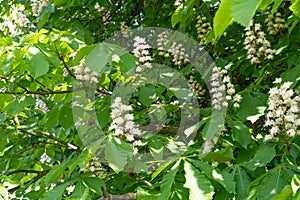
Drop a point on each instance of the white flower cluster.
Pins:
(123, 124)
(85, 74)
(176, 50)
(257, 46)
(14, 23)
(283, 111)
(41, 105)
(274, 24)
(203, 28)
(196, 87)
(141, 51)
(222, 89)
(37, 6)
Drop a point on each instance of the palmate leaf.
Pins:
(199, 186)
(168, 181)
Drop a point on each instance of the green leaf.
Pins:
(242, 182)
(37, 62)
(295, 7)
(212, 128)
(295, 184)
(45, 14)
(162, 168)
(223, 178)
(250, 106)
(80, 191)
(97, 58)
(147, 95)
(276, 6)
(286, 193)
(14, 108)
(57, 192)
(56, 172)
(82, 161)
(117, 153)
(147, 195)
(51, 118)
(240, 132)
(242, 11)
(66, 117)
(221, 156)
(263, 156)
(271, 184)
(183, 13)
(265, 4)
(222, 18)
(94, 184)
(199, 186)
(168, 181)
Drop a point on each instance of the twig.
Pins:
(23, 171)
(107, 196)
(40, 175)
(49, 136)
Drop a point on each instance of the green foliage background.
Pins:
(39, 64)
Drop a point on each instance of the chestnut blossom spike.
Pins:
(283, 111)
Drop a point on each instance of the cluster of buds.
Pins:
(196, 87)
(85, 74)
(222, 90)
(23, 21)
(274, 24)
(176, 50)
(98, 7)
(257, 46)
(123, 122)
(283, 111)
(125, 30)
(203, 28)
(37, 6)
(141, 51)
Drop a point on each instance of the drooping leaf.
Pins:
(222, 18)
(14, 108)
(242, 11)
(199, 186)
